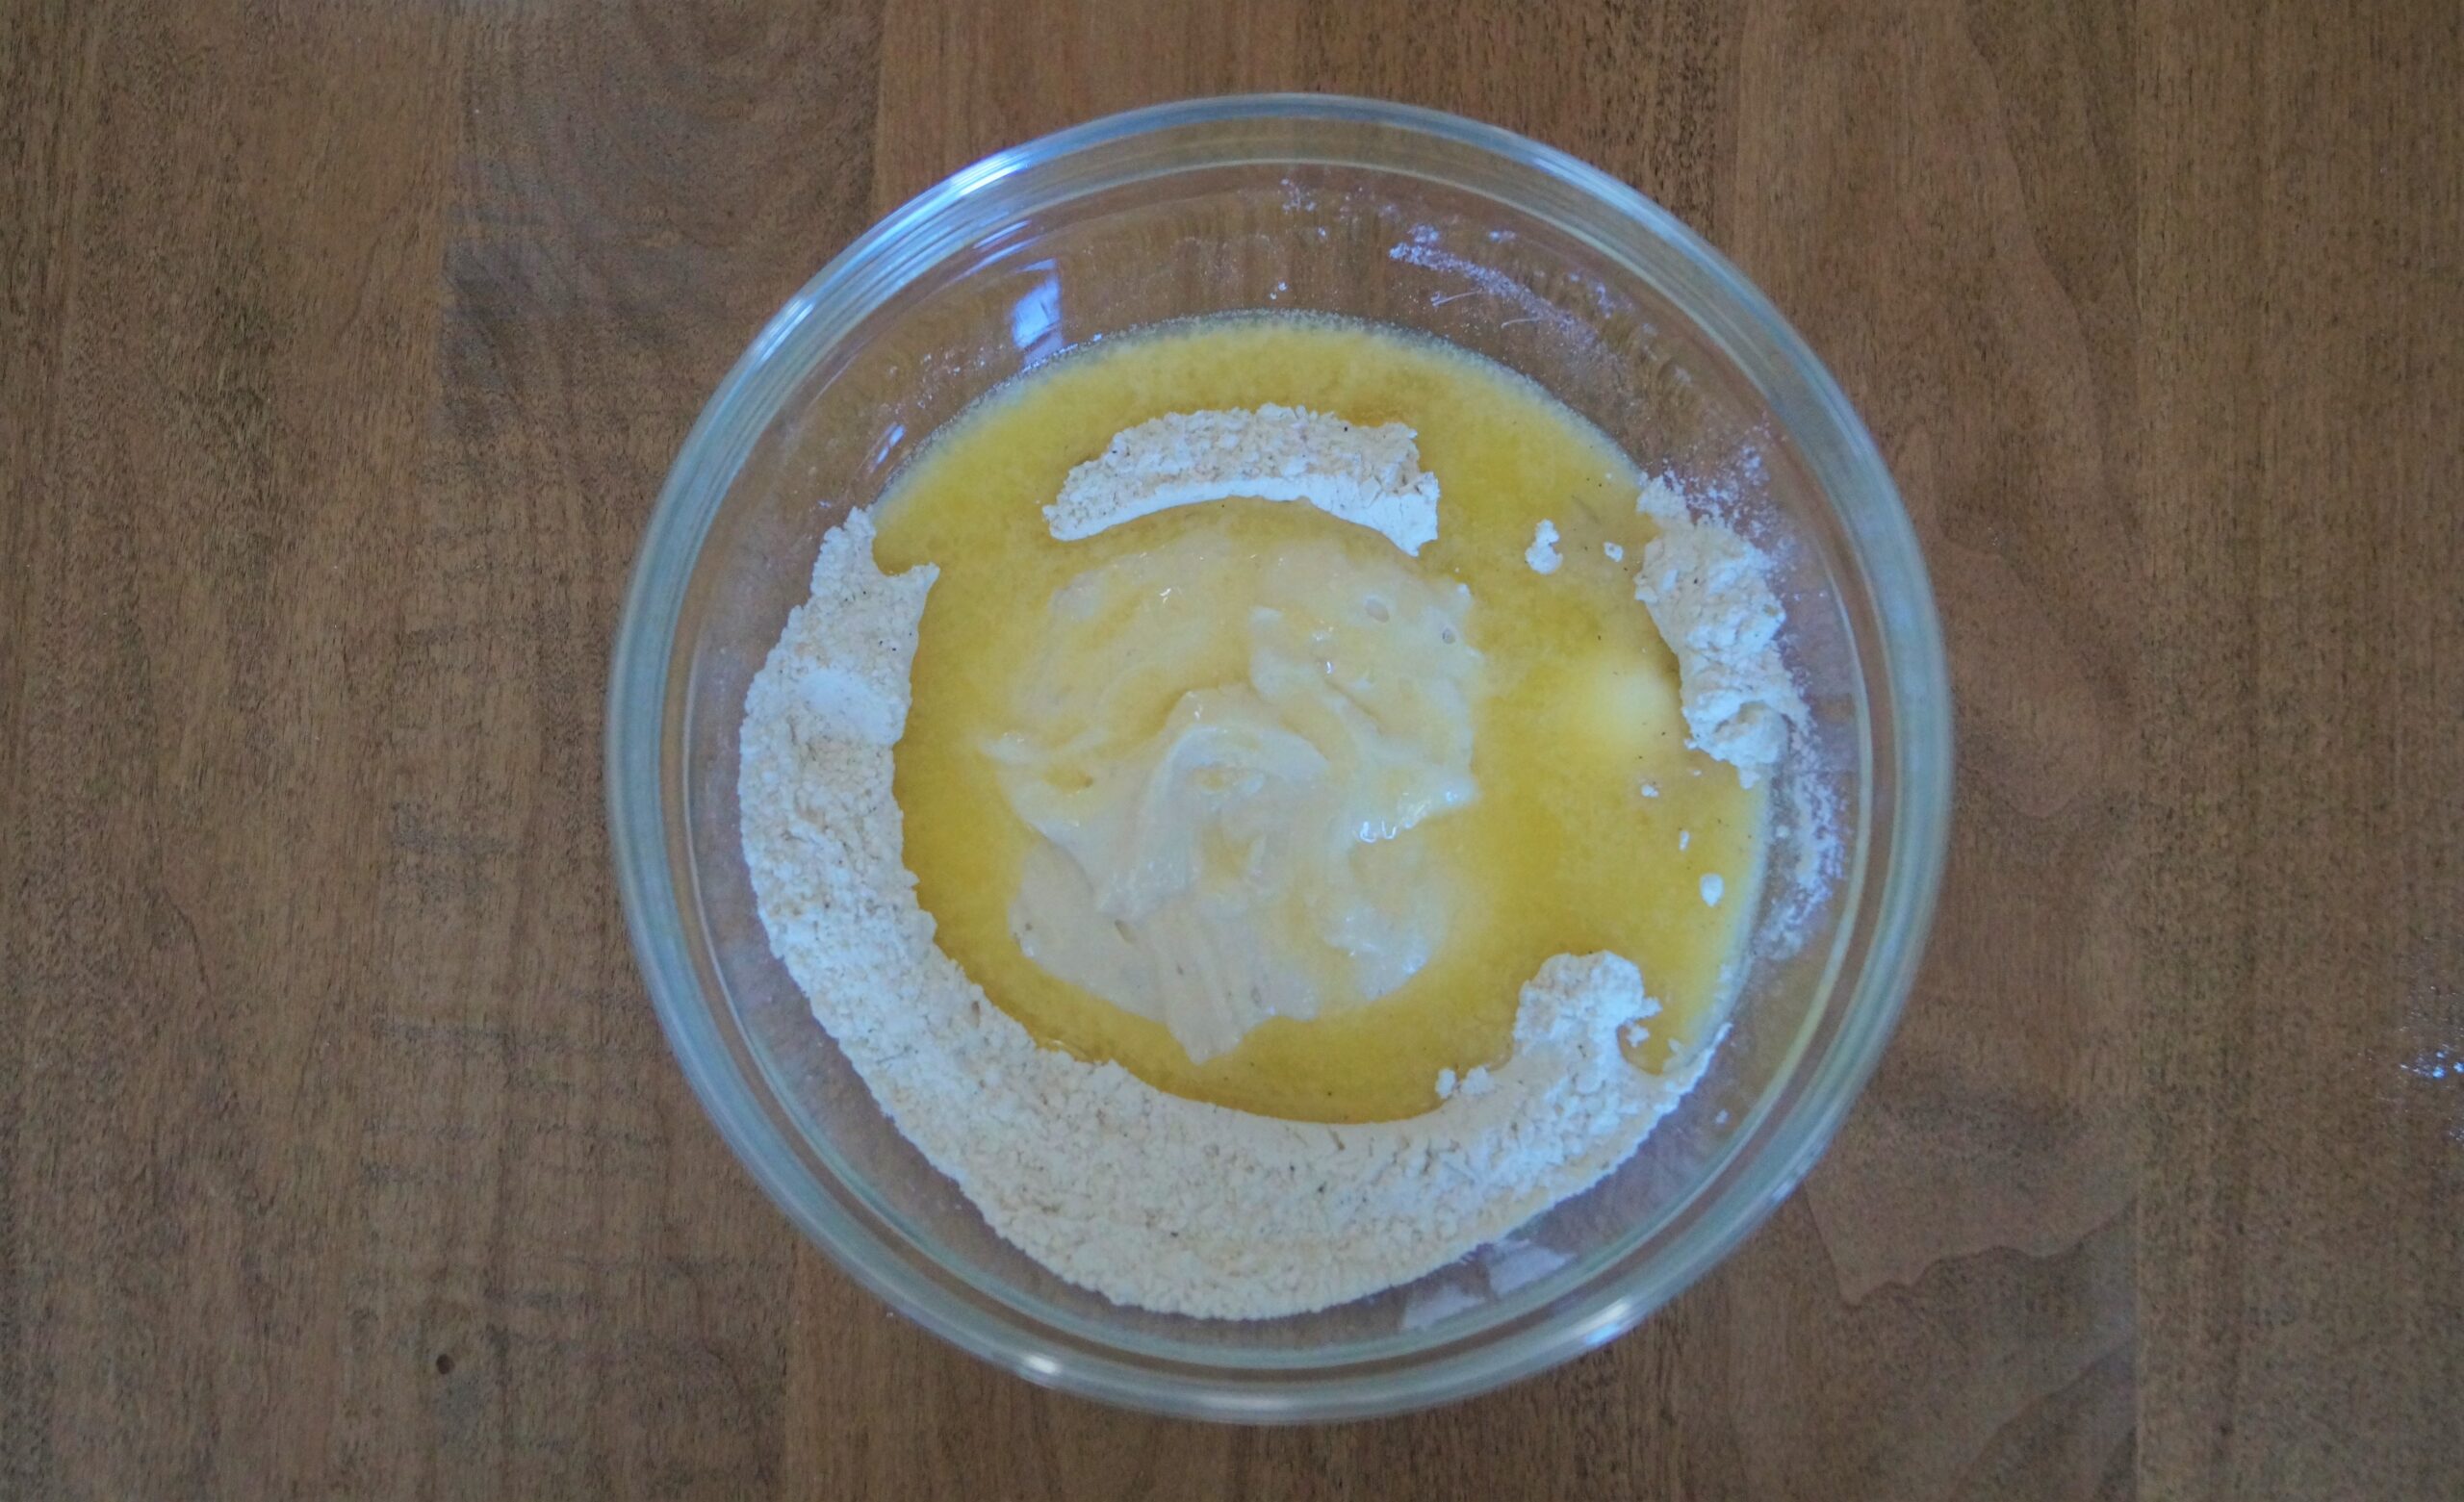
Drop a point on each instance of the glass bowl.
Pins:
(1370, 211)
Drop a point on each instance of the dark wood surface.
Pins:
(343, 346)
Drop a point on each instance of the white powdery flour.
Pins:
(1366, 475)
(1709, 593)
(1542, 555)
(1147, 1197)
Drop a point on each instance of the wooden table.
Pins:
(343, 346)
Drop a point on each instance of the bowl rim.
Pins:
(646, 694)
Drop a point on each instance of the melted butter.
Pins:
(1560, 852)
(1230, 749)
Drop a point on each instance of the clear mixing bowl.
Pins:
(1370, 211)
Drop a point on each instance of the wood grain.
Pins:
(2303, 1183)
(343, 349)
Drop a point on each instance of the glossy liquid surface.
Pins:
(1561, 851)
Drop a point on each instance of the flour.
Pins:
(1542, 555)
(1708, 590)
(1363, 474)
(1147, 1197)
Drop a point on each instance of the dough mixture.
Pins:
(1248, 822)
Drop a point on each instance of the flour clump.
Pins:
(1361, 473)
(1708, 592)
(1542, 555)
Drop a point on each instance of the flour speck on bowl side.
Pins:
(1200, 800)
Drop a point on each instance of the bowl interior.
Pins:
(1375, 218)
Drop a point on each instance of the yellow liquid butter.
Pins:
(1560, 852)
